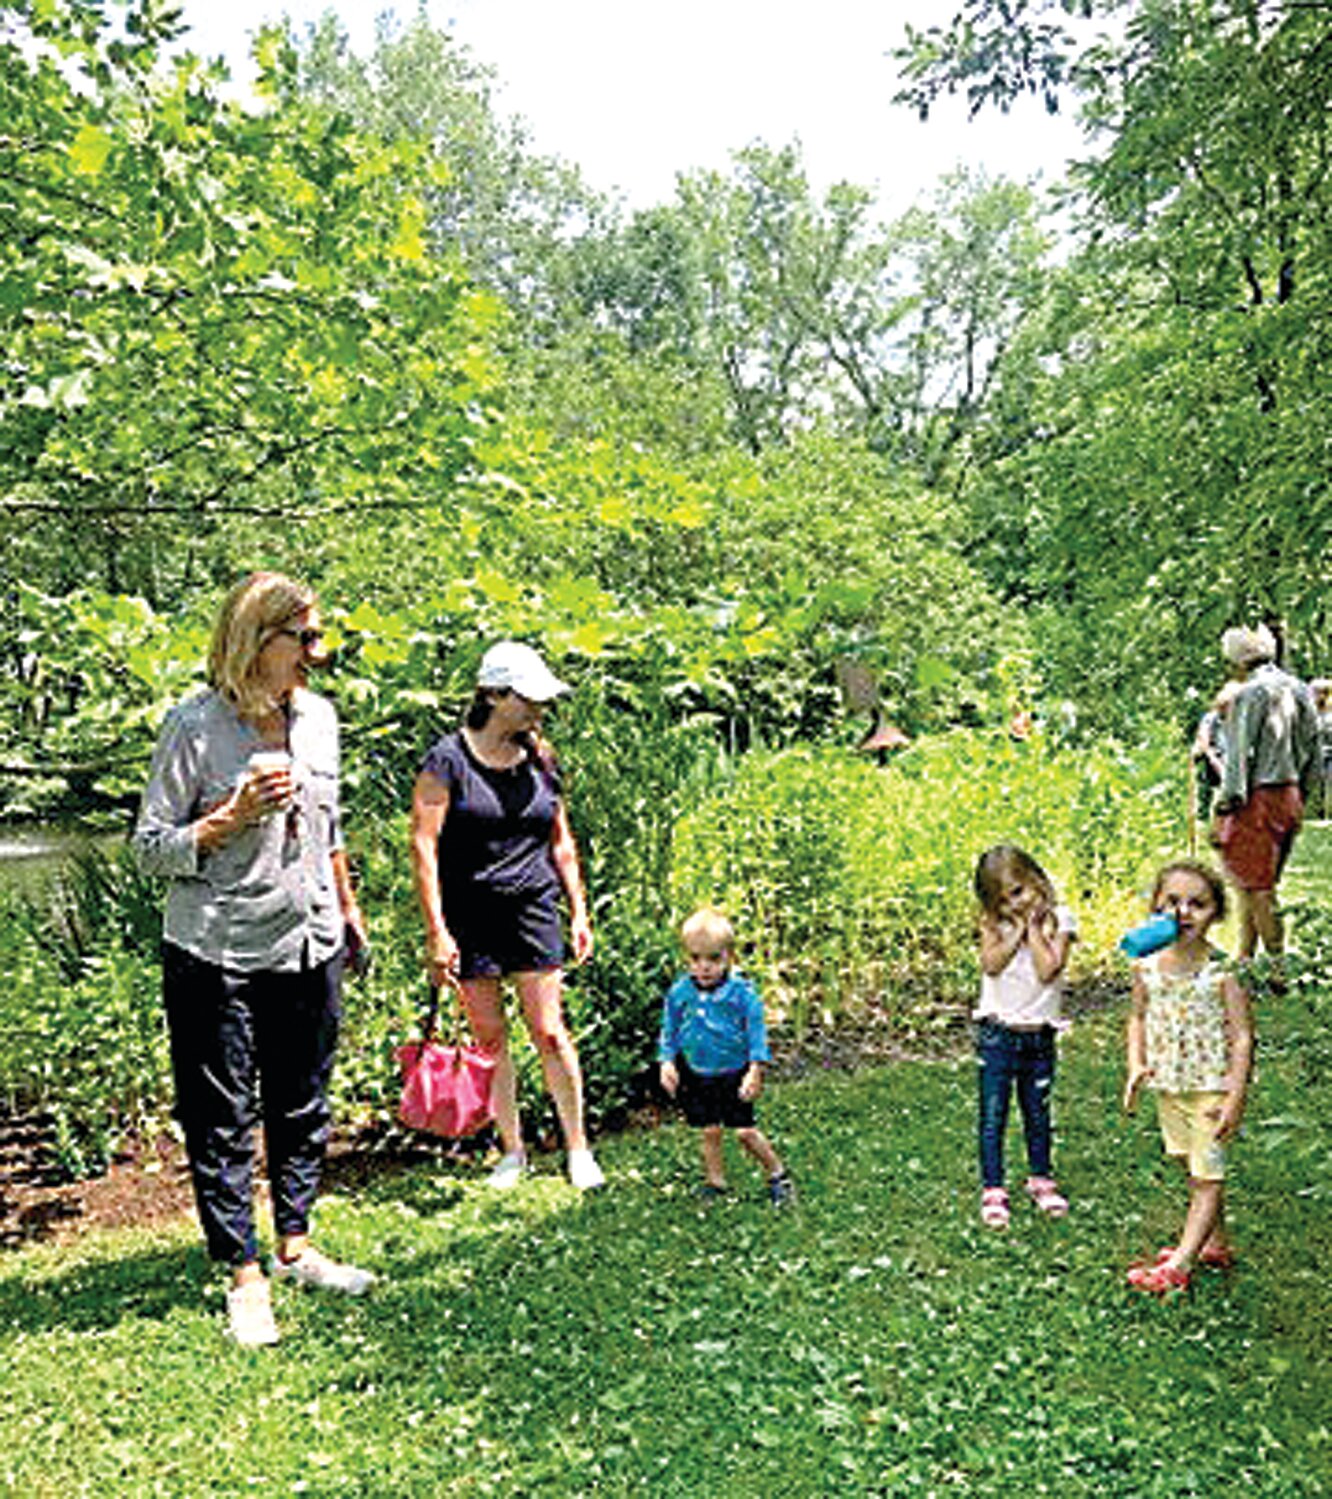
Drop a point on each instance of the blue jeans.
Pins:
(1007, 1058)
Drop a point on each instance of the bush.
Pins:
(852, 884)
(82, 1040)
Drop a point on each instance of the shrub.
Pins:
(851, 884)
(82, 1045)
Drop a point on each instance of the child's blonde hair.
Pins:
(1001, 864)
(1199, 870)
(707, 924)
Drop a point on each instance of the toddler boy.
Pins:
(712, 1049)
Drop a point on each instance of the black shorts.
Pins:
(498, 934)
(714, 1098)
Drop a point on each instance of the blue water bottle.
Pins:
(1158, 931)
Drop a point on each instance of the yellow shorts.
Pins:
(1188, 1128)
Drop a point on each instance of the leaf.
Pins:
(591, 637)
(89, 150)
(931, 672)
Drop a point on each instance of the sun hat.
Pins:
(511, 664)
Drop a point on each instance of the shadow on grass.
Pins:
(98, 1295)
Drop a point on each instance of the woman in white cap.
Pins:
(491, 851)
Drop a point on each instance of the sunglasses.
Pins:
(309, 637)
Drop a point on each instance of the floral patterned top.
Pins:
(1185, 1027)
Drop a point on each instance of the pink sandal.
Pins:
(1159, 1279)
(1209, 1255)
(1046, 1196)
(994, 1207)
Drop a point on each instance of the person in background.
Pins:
(491, 851)
(241, 815)
(1272, 765)
(1321, 691)
(1025, 936)
(1190, 1038)
(1209, 747)
(712, 1049)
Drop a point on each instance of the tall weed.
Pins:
(851, 883)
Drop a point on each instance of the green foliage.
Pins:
(509, 213)
(876, 1340)
(208, 312)
(82, 1041)
(851, 884)
(84, 681)
(1143, 473)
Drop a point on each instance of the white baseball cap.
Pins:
(513, 665)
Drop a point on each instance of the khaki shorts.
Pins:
(1189, 1132)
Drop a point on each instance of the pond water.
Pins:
(33, 854)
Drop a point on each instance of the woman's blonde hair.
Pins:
(251, 614)
(709, 925)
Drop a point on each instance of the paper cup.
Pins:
(269, 760)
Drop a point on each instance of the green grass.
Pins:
(1309, 877)
(875, 1340)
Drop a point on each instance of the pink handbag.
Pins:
(445, 1088)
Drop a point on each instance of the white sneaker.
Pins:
(509, 1172)
(310, 1268)
(584, 1172)
(250, 1315)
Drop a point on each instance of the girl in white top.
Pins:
(1025, 937)
(1190, 1037)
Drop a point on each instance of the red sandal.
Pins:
(994, 1207)
(1212, 1257)
(1159, 1279)
(1047, 1197)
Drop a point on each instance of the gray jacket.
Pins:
(1272, 736)
(266, 899)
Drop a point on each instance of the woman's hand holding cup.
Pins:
(268, 787)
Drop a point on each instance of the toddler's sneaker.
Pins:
(509, 1171)
(1046, 1196)
(781, 1190)
(250, 1321)
(994, 1207)
(584, 1172)
(311, 1268)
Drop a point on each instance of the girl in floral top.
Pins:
(1190, 1038)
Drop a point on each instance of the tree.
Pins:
(208, 313)
(507, 213)
(1172, 394)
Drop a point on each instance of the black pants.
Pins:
(245, 1045)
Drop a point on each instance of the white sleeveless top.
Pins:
(1015, 996)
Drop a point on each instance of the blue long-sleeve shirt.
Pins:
(716, 1030)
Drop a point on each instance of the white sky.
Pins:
(634, 92)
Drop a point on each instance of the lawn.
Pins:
(873, 1340)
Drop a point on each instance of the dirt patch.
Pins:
(150, 1184)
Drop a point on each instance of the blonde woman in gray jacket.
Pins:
(241, 815)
